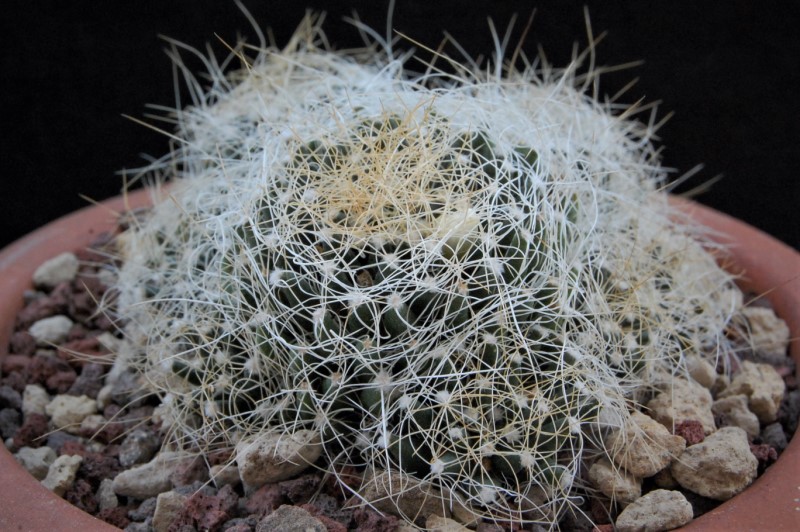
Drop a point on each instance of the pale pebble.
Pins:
(59, 269)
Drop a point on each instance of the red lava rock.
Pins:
(44, 307)
(690, 430)
(72, 448)
(32, 431)
(61, 381)
(22, 343)
(81, 494)
(790, 381)
(98, 466)
(300, 489)
(368, 519)
(603, 528)
(117, 517)
(76, 350)
(111, 411)
(15, 362)
(110, 432)
(76, 332)
(219, 457)
(43, 366)
(601, 510)
(83, 303)
(264, 500)
(15, 380)
(207, 512)
(764, 453)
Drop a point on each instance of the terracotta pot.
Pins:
(771, 503)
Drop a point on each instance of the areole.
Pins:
(767, 266)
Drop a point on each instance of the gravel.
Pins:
(121, 433)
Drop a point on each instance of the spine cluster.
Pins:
(466, 280)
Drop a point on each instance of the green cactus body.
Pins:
(456, 282)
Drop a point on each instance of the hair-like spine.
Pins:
(466, 279)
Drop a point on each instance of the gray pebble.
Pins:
(36, 461)
(138, 447)
(145, 510)
(89, 381)
(106, 498)
(10, 398)
(196, 487)
(774, 436)
(290, 518)
(139, 527)
(244, 523)
(791, 407)
(127, 390)
(58, 438)
(10, 421)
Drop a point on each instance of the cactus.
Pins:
(464, 280)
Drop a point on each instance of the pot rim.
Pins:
(27, 505)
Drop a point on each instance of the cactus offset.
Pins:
(465, 280)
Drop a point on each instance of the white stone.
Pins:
(275, 457)
(67, 412)
(683, 400)
(643, 446)
(104, 396)
(701, 371)
(51, 331)
(614, 482)
(168, 506)
(657, 511)
(719, 467)
(110, 342)
(106, 498)
(734, 412)
(92, 424)
(437, 523)
(57, 270)
(289, 518)
(147, 480)
(769, 334)
(34, 400)
(36, 461)
(763, 386)
(61, 474)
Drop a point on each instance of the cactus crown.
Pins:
(464, 280)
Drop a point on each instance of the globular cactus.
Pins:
(465, 280)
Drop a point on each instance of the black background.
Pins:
(728, 70)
